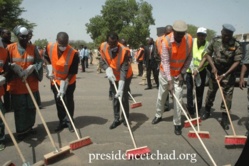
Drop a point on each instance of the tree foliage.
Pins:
(128, 18)
(10, 12)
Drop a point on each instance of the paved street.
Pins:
(94, 115)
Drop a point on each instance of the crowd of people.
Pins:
(174, 58)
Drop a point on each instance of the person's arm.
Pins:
(165, 61)
(124, 67)
(74, 67)
(38, 65)
(103, 63)
(140, 54)
(46, 56)
(187, 63)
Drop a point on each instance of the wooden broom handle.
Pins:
(132, 97)
(127, 122)
(225, 103)
(194, 130)
(39, 112)
(196, 106)
(12, 137)
(69, 116)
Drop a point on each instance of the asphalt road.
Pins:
(94, 115)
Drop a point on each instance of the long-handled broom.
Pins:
(9, 163)
(202, 134)
(135, 104)
(52, 156)
(81, 141)
(136, 152)
(231, 139)
(205, 148)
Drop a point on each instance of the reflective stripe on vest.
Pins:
(115, 63)
(197, 55)
(176, 51)
(61, 70)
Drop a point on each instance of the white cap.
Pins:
(202, 30)
(23, 31)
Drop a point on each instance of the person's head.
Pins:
(168, 29)
(22, 35)
(150, 41)
(179, 29)
(6, 35)
(123, 41)
(201, 34)
(62, 40)
(227, 33)
(112, 40)
(30, 34)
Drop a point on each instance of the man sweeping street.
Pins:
(26, 64)
(63, 66)
(115, 61)
(224, 55)
(175, 59)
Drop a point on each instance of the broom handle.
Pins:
(39, 112)
(225, 103)
(132, 97)
(195, 130)
(12, 137)
(127, 122)
(196, 107)
(66, 110)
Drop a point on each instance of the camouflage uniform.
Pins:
(223, 55)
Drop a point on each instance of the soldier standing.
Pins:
(224, 55)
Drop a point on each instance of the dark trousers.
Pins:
(83, 64)
(125, 100)
(69, 101)
(140, 68)
(6, 99)
(86, 61)
(155, 71)
(199, 91)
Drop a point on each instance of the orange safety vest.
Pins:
(61, 65)
(138, 53)
(3, 58)
(16, 85)
(178, 54)
(115, 63)
(159, 44)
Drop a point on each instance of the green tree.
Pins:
(41, 42)
(10, 12)
(128, 18)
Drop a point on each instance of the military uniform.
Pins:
(223, 55)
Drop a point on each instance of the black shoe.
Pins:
(148, 88)
(33, 131)
(178, 130)
(114, 124)
(70, 128)
(60, 127)
(156, 120)
(205, 115)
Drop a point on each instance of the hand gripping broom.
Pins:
(202, 134)
(231, 139)
(135, 104)
(136, 152)
(211, 158)
(52, 156)
(81, 141)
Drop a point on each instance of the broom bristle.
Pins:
(135, 105)
(137, 152)
(202, 134)
(235, 140)
(54, 156)
(80, 143)
(194, 122)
